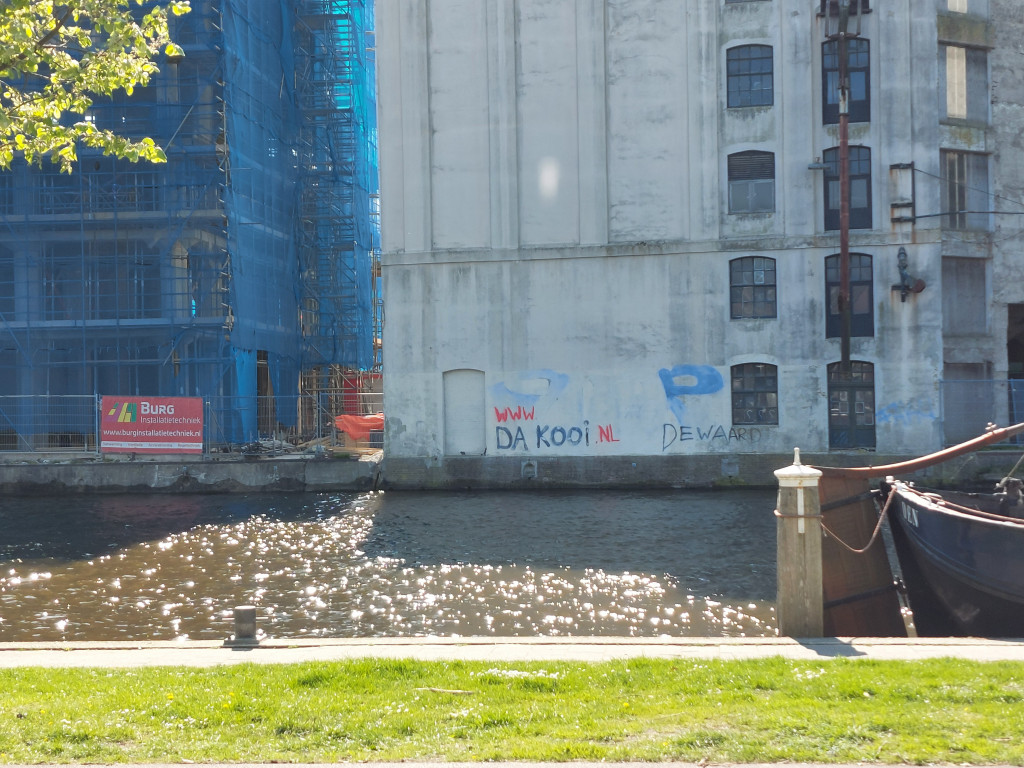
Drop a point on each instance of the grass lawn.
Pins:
(773, 710)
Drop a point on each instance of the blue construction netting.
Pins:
(242, 269)
(335, 94)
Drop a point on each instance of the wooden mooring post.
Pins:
(799, 605)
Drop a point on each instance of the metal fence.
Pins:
(36, 423)
(49, 422)
(970, 405)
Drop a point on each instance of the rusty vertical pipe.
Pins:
(844, 204)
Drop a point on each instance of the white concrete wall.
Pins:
(636, 354)
(555, 216)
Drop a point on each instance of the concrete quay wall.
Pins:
(978, 471)
(57, 475)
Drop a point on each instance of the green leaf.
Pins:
(86, 49)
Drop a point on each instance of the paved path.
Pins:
(212, 653)
(489, 764)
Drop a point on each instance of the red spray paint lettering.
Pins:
(507, 414)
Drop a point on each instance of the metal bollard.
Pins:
(245, 626)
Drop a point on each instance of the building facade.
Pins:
(611, 231)
(241, 270)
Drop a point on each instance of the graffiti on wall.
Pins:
(529, 414)
(517, 427)
(686, 380)
(679, 434)
(906, 413)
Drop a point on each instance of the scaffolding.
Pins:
(339, 179)
(243, 268)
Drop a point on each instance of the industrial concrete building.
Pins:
(241, 271)
(610, 233)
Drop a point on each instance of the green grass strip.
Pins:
(771, 710)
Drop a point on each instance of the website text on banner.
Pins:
(151, 425)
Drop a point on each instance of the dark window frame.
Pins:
(977, 95)
(749, 83)
(862, 296)
(851, 395)
(860, 174)
(7, 287)
(964, 191)
(747, 172)
(833, 6)
(753, 288)
(860, 81)
(755, 394)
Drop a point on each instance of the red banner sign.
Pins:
(151, 425)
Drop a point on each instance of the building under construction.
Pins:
(245, 269)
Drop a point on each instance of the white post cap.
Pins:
(797, 475)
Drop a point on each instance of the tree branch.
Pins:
(41, 42)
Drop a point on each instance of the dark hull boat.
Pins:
(962, 557)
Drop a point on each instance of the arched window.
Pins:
(859, 63)
(751, 182)
(749, 77)
(755, 394)
(860, 188)
(862, 303)
(851, 405)
(752, 287)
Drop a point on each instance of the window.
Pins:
(6, 287)
(751, 182)
(755, 394)
(965, 190)
(851, 405)
(969, 396)
(859, 69)
(862, 315)
(833, 6)
(958, 6)
(964, 296)
(749, 76)
(752, 287)
(963, 75)
(6, 192)
(860, 188)
(107, 280)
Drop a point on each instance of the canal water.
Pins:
(579, 563)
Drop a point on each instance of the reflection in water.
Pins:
(581, 563)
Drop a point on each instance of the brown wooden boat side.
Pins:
(992, 436)
(858, 588)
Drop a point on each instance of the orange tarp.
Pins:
(358, 427)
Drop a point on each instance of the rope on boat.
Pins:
(874, 535)
(1016, 466)
(938, 501)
